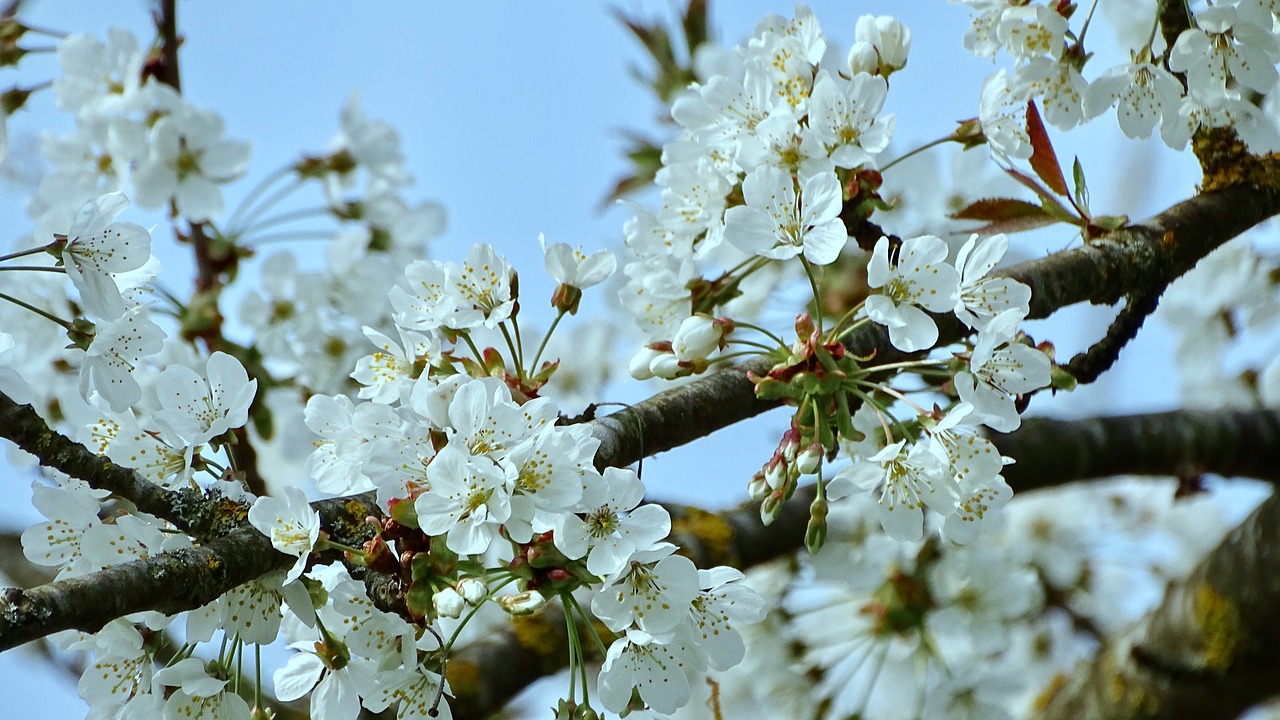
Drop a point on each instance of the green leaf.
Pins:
(1082, 188)
(1043, 159)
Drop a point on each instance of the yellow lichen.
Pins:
(535, 633)
(464, 678)
(1225, 161)
(1219, 622)
(711, 531)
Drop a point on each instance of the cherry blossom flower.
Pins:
(639, 662)
(388, 374)
(1146, 93)
(776, 223)
(603, 533)
(982, 297)
(96, 247)
(1059, 84)
(467, 501)
(98, 77)
(1003, 114)
(290, 523)
(921, 278)
(413, 690)
(1221, 48)
(575, 268)
(199, 695)
(1000, 369)
(187, 161)
(335, 690)
(1031, 31)
(906, 480)
(653, 590)
(199, 408)
(723, 604)
(842, 116)
(115, 352)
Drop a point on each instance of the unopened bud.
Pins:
(807, 462)
(640, 363)
(473, 590)
(758, 487)
(523, 603)
(770, 508)
(815, 535)
(448, 603)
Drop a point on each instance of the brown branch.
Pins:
(1212, 648)
(169, 583)
(187, 509)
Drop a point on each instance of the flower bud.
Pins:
(771, 508)
(758, 487)
(863, 59)
(815, 535)
(523, 603)
(473, 590)
(807, 462)
(667, 366)
(698, 337)
(890, 38)
(640, 363)
(448, 603)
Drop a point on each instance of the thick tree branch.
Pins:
(188, 509)
(168, 583)
(1212, 648)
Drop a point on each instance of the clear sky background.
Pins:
(511, 115)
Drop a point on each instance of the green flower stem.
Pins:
(53, 318)
(25, 253)
(35, 268)
(917, 151)
(543, 345)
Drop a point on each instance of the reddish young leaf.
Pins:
(1005, 215)
(1043, 159)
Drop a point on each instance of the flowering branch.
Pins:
(1048, 452)
(1207, 651)
(1147, 255)
(168, 583)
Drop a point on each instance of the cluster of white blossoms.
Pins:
(776, 156)
(489, 500)
(477, 466)
(1229, 50)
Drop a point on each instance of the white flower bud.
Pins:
(523, 603)
(698, 337)
(473, 590)
(448, 603)
(890, 38)
(667, 366)
(640, 363)
(807, 462)
(863, 59)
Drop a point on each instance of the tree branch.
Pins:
(169, 583)
(1212, 648)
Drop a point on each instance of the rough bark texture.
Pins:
(1211, 650)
